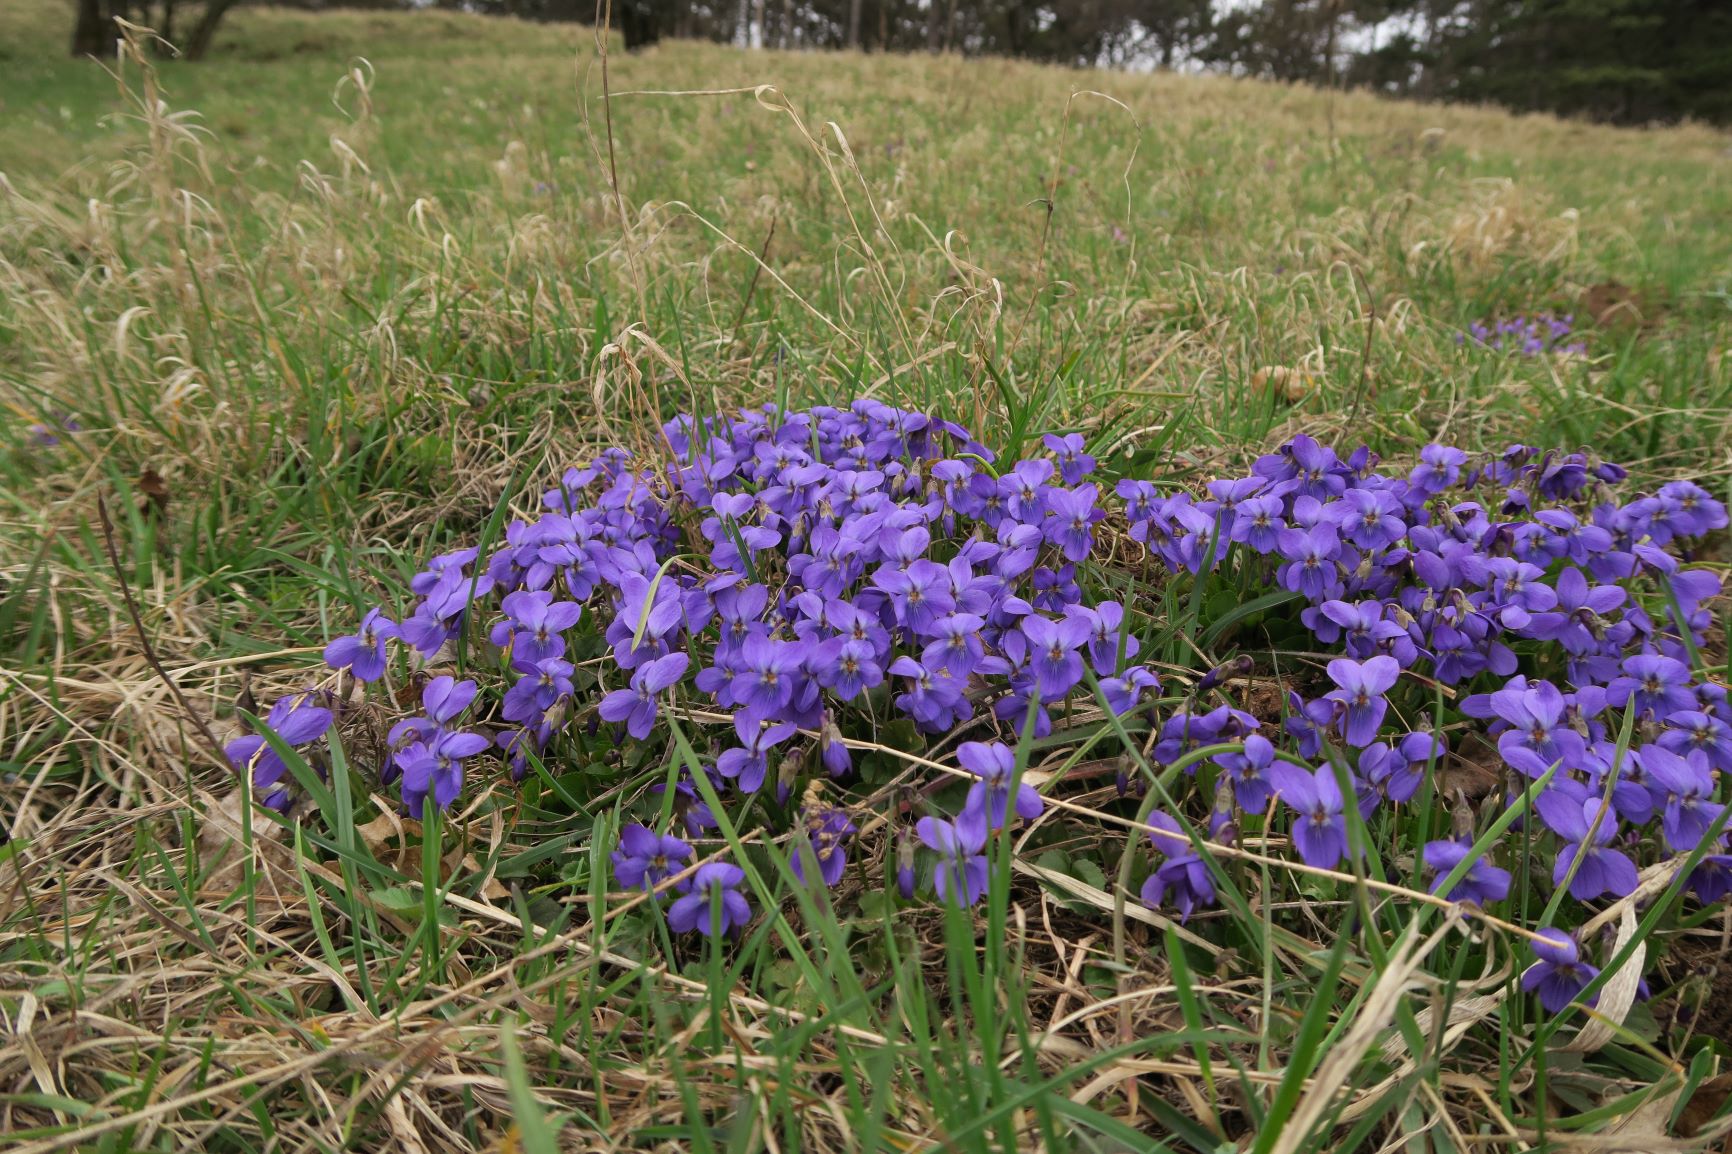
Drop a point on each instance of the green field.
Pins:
(321, 305)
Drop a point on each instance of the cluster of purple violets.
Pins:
(807, 573)
(1456, 573)
(805, 569)
(1530, 336)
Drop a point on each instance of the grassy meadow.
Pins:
(304, 314)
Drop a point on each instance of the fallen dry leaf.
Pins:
(1703, 1105)
(491, 890)
(386, 838)
(155, 490)
(1614, 304)
(1283, 383)
(1472, 769)
(219, 842)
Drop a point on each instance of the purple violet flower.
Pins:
(1560, 975)
(989, 798)
(827, 830)
(1319, 822)
(1483, 883)
(363, 653)
(644, 858)
(1182, 874)
(637, 706)
(693, 910)
(1362, 686)
(962, 872)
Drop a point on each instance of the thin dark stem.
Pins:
(144, 638)
(1360, 385)
(757, 272)
(604, 26)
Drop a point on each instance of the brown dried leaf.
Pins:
(245, 701)
(491, 890)
(1614, 304)
(155, 490)
(1283, 383)
(219, 842)
(1703, 1105)
(385, 837)
(409, 693)
(1472, 769)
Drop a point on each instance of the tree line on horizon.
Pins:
(1620, 61)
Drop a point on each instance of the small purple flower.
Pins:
(766, 680)
(443, 601)
(445, 698)
(535, 692)
(1660, 685)
(1572, 814)
(1712, 879)
(1070, 520)
(1073, 462)
(1124, 694)
(749, 765)
(363, 653)
(1702, 734)
(1538, 735)
(1182, 874)
(1439, 468)
(957, 647)
(1106, 630)
(962, 872)
(644, 858)
(692, 910)
(1307, 721)
(1319, 823)
(1560, 975)
(1483, 883)
(847, 667)
(989, 798)
(1052, 653)
(1024, 489)
(1257, 523)
(1249, 773)
(1520, 589)
(637, 706)
(832, 750)
(1684, 786)
(436, 767)
(1310, 569)
(1368, 518)
(1688, 510)
(1362, 686)
(538, 620)
(918, 594)
(933, 699)
(297, 723)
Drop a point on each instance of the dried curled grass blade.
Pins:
(1472, 1003)
(1619, 992)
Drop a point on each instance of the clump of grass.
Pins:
(307, 343)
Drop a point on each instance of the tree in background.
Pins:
(1626, 61)
(94, 32)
